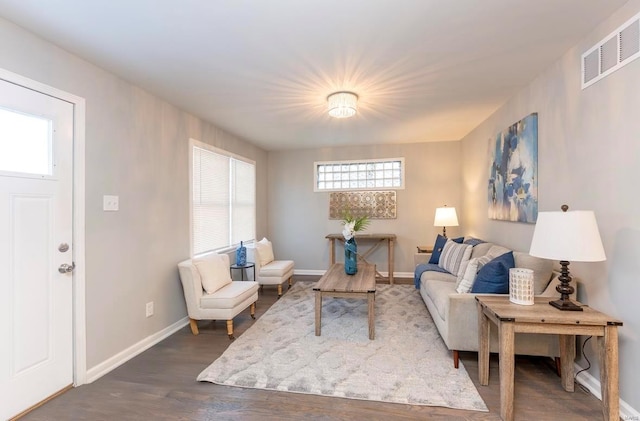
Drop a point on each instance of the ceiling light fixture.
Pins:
(342, 104)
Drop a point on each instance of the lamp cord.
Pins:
(585, 357)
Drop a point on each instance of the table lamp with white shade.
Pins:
(445, 217)
(567, 236)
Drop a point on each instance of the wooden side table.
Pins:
(542, 318)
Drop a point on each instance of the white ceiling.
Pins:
(425, 70)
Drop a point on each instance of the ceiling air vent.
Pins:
(620, 47)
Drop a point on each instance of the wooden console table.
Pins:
(542, 318)
(379, 238)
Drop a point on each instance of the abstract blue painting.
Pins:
(513, 172)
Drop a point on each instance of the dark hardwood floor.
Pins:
(160, 384)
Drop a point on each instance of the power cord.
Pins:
(588, 364)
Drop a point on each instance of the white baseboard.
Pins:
(322, 271)
(319, 272)
(403, 275)
(120, 358)
(627, 413)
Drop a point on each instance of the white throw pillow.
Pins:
(265, 251)
(214, 271)
(469, 277)
(453, 257)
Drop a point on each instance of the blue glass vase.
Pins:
(241, 255)
(350, 256)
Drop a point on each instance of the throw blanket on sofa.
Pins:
(423, 268)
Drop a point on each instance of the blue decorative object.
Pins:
(241, 255)
(493, 278)
(350, 256)
(439, 245)
(474, 241)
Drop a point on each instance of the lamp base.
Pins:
(565, 305)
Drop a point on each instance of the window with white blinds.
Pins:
(223, 199)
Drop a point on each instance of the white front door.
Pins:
(36, 231)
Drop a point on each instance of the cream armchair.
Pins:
(268, 270)
(210, 293)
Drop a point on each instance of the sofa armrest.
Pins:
(462, 320)
(420, 258)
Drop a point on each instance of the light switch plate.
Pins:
(110, 203)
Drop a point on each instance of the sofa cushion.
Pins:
(265, 251)
(277, 268)
(494, 276)
(439, 245)
(439, 292)
(481, 249)
(542, 269)
(214, 271)
(455, 257)
(496, 251)
(422, 268)
(230, 295)
(438, 276)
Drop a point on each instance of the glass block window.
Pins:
(366, 174)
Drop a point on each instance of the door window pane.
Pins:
(25, 143)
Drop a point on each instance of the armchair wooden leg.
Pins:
(456, 358)
(252, 309)
(194, 326)
(230, 329)
(290, 278)
(279, 290)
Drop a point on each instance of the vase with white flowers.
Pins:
(351, 226)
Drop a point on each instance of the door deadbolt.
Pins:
(65, 268)
(63, 247)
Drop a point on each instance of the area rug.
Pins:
(407, 362)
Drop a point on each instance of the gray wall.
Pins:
(299, 218)
(137, 148)
(589, 154)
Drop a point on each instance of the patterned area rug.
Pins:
(406, 363)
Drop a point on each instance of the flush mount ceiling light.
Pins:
(342, 104)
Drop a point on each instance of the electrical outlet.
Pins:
(149, 309)
(110, 203)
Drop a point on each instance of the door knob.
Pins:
(65, 268)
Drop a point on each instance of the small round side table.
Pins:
(242, 269)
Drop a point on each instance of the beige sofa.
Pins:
(456, 316)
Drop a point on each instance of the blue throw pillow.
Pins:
(474, 241)
(439, 245)
(493, 278)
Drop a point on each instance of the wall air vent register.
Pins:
(619, 48)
